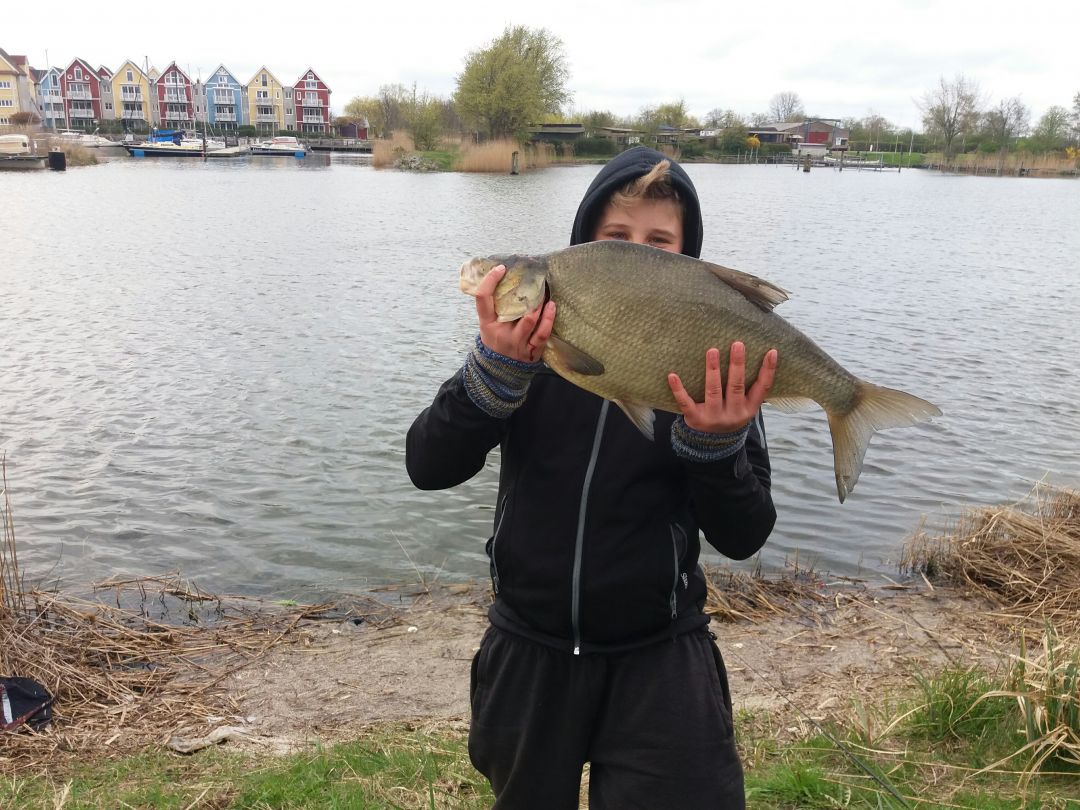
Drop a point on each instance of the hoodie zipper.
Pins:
(674, 598)
(575, 600)
(494, 542)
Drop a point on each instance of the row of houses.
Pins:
(820, 133)
(81, 96)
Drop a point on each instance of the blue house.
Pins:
(50, 99)
(224, 100)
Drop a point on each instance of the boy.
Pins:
(598, 649)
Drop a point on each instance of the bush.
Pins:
(246, 131)
(770, 149)
(595, 147)
(692, 149)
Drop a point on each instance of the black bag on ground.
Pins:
(24, 700)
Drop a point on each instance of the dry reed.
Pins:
(1024, 558)
(735, 596)
(1049, 164)
(126, 674)
(385, 151)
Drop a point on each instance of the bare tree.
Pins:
(951, 109)
(1075, 118)
(1008, 120)
(786, 106)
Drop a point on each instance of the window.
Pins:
(310, 85)
(130, 76)
(108, 105)
(5, 85)
(264, 80)
(78, 73)
(288, 94)
(6, 102)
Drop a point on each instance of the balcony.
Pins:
(220, 116)
(263, 101)
(82, 114)
(224, 98)
(310, 102)
(127, 95)
(80, 95)
(132, 115)
(175, 98)
(262, 118)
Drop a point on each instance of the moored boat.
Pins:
(280, 145)
(86, 139)
(16, 154)
(173, 143)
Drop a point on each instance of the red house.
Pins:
(175, 109)
(311, 98)
(80, 87)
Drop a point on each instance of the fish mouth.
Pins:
(471, 274)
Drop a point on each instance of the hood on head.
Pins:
(624, 168)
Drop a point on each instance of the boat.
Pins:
(173, 143)
(280, 145)
(86, 139)
(16, 154)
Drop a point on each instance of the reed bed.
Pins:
(1024, 558)
(1047, 164)
(385, 151)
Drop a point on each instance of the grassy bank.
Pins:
(959, 739)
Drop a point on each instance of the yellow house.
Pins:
(132, 96)
(10, 76)
(265, 95)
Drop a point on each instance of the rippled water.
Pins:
(211, 367)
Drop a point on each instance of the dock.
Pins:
(353, 145)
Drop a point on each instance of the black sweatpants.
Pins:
(655, 724)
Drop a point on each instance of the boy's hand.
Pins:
(730, 411)
(523, 339)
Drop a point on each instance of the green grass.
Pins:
(951, 742)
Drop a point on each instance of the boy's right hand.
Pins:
(524, 339)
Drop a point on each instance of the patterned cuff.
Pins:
(496, 384)
(696, 445)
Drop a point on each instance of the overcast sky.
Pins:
(843, 59)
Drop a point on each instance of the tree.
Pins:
(512, 83)
(951, 109)
(786, 106)
(424, 120)
(1008, 120)
(1052, 130)
(1075, 117)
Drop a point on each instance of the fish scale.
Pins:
(628, 315)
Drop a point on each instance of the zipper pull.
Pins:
(674, 608)
(577, 649)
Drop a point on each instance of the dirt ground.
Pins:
(342, 675)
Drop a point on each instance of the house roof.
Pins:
(180, 70)
(222, 67)
(128, 63)
(561, 129)
(303, 77)
(16, 63)
(265, 69)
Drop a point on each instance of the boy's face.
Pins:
(657, 223)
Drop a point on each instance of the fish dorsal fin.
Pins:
(758, 291)
(642, 416)
(792, 404)
(574, 359)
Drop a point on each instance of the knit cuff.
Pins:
(697, 445)
(496, 384)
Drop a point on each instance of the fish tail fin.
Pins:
(875, 408)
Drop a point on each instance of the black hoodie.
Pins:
(595, 540)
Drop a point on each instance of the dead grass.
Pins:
(1015, 163)
(385, 151)
(1024, 558)
(126, 673)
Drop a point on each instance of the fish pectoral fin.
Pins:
(642, 416)
(763, 294)
(791, 404)
(574, 359)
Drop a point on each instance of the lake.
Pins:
(210, 367)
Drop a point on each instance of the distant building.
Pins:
(354, 129)
(264, 94)
(623, 136)
(224, 100)
(174, 99)
(108, 108)
(80, 86)
(51, 98)
(132, 96)
(821, 133)
(17, 94)
(556, 133)
(311, 98)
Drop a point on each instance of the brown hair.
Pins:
(656, 185)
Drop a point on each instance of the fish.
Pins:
(627, 315)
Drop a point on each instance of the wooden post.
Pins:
(806, 162)
(514, 163)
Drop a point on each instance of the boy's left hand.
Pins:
(731, 410)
